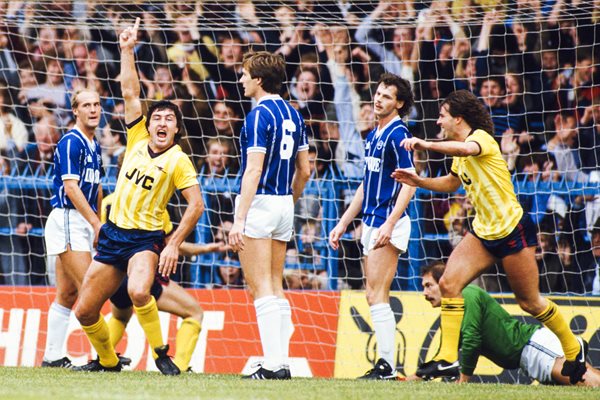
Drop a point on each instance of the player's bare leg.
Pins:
(522, 273)
(256, 260)
(76, 264)
(58, 319)
(100, 282)
(380, 268)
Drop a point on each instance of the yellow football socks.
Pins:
(100, 339)
(116, 328)
(554, 321)
(187, 337)
(451, 319)
(148, 318)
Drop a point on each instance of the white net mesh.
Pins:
(534, 65)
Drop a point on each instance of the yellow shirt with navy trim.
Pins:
(107, 202)
(146, 183)
(486, 180)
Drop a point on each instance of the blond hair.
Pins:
(75, 97)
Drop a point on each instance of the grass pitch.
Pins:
(37, 383)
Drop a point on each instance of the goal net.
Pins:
(533, 64)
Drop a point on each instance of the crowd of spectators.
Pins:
(534, 64)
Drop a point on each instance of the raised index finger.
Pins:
(136, 25)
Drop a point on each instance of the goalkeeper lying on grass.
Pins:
(488, 330)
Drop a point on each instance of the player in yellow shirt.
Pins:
(132, 242)
(170, 297)
(501, 230)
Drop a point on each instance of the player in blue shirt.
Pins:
(73, 225)
(385, 225)
(275, 169)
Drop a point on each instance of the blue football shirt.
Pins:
(383, 155)
(76, 157)
(276, 129)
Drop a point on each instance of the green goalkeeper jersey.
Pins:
(488, 330)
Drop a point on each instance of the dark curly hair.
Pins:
(466, 105)
(403, 91)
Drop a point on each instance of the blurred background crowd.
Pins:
(534, 64)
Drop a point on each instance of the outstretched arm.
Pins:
(444, 184)
(450, 148)
(130, 83)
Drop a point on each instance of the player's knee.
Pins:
(532, 306)
(66, 298)
(449, 289)
(373, 296)
(139, 296)
(85, 315)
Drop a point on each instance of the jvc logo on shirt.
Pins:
(373, 163)
(137, 177)
(91, 176)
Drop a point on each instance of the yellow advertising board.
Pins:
(417, 331)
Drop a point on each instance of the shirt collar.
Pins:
(378, 131)
(269, 97)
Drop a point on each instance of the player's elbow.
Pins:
(70, 187)
(129, 93)
(254, 171)
(197, 205)
(304, 172)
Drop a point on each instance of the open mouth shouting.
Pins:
(161, 134)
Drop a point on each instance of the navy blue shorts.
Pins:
(524, 235)
(122, 300)
(116, 245)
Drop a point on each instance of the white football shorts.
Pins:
(67, 227)
(269, 217)
(399, 239)
(540, 354)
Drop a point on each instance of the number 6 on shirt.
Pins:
(287, 140)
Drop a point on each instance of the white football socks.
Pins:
(287, 327)
(58, 323)
(268, 317)
(385, 331)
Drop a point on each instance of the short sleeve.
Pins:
(404, 157)
(136, 131)
(486, 142)
(454, 167)
(184, 175)
(257, 128)
(71, 153)
(303, 145)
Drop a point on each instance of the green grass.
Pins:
(37, 383)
